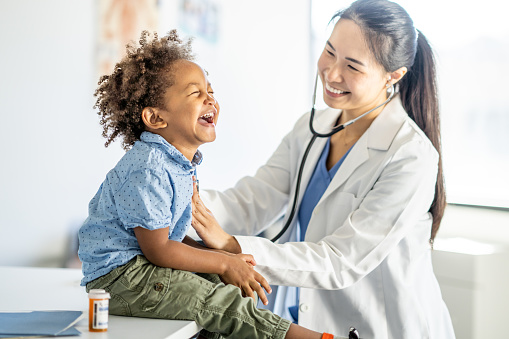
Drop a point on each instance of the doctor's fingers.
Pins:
(208, 230)
(196, 195)
(198, 226)
(196, 200)
(201, 215)
(204, 216)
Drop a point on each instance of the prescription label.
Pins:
(100, 314)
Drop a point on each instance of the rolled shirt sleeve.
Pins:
(145, 200)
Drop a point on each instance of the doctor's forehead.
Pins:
(349, 41)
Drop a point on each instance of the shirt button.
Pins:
(158, 287)
(304, 307)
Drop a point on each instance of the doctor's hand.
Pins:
(239, 272)
(208, 229)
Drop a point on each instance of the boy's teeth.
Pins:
(208, 117)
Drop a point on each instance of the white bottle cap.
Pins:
(98, 294)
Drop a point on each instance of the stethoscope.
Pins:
(334, 130)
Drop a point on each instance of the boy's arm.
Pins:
(193, 243)
(235, 270)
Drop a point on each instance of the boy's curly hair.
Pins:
(138, 81)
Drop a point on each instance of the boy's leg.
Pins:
(143, 290)
(225, 311)
(204, 334)
(253, 323)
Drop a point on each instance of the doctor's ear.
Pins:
(152, 118)
(397, 75)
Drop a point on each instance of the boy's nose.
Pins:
(210, 100)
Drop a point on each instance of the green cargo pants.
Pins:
(141, 289)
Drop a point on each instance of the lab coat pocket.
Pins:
(331, 212)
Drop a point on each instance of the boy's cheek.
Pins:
(217, 109)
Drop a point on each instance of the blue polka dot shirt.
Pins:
(150, 187)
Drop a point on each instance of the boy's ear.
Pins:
(152, 119)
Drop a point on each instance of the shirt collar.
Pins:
(168, 148)
(382, 131)
(384, 128)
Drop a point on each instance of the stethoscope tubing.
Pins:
(308, 148)
(338, 128)
(297, 188)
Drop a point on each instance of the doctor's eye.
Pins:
(329, 52)
(353, 68)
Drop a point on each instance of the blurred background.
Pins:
(261, 59)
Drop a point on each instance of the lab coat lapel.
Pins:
(324, 121)
(357, 156)
(378, 136)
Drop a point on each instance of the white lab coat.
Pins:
(366, 259)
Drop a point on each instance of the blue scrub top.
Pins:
(317, 186)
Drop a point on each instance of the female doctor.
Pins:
(371, 196)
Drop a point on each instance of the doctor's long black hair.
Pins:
(395, 43)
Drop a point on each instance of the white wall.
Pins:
(52, 157)
(260, 72)
(51, 150)
(50, 145)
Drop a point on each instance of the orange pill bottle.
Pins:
(98, 307)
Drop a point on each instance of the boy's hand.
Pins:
(208, 229)
(240, 272)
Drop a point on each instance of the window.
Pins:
(471, 44)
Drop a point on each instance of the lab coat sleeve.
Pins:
(254, 203)
(395, 207)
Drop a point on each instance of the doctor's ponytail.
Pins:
(419, 95)
(395, 43)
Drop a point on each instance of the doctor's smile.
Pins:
(358, 225)
(359, 214)
(333, 92)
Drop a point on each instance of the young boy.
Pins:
(134, 243)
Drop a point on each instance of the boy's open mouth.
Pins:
(208, 117)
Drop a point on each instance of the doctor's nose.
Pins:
(333, 74)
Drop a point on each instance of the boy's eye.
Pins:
(351, 67)
(329, 52)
